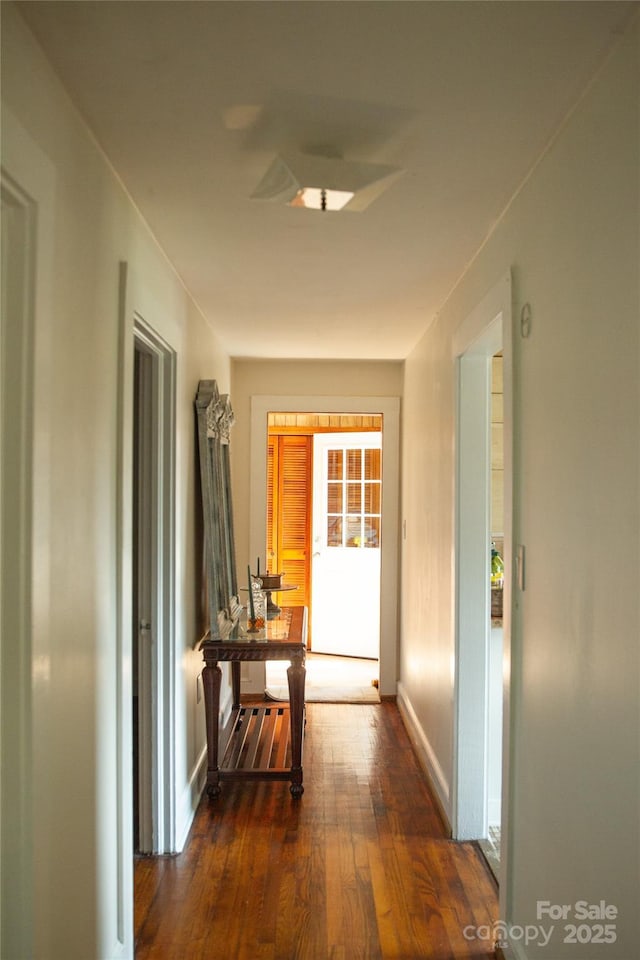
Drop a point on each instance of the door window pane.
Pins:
(335, 465)
(372, 498)
(334, 498)
(354, 464)
(371, 532)
(354, 498)
(372, 464)
(334, 531)
(354, 532)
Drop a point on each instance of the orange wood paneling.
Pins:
(289, 514)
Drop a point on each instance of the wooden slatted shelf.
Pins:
(257, 743)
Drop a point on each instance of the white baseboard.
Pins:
(193, 790)
(190, 799)
(426, 755)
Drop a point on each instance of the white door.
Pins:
(345, 570)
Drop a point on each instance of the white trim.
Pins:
(487, 329)
(425, 752)
(123, 517)
(480, 334)
(19, 237)
(389, 407)
(135, 326)
(29, 175)
(190, 799)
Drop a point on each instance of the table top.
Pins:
(284, 587)
(278, 639)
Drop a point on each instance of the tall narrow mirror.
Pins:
(215, 419)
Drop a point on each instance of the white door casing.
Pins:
(28, 198)
(16, 466)
(486, 330)
(154, 618)
(389, 408)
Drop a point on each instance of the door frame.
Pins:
(485, 331)
(28, 182)
(157, 663)
(19, 232)
(389, 407)
(136, 328)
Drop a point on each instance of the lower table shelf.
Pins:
(258, 743)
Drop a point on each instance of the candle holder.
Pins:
(256, 609)
(270, 582)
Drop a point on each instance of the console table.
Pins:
(260, 742)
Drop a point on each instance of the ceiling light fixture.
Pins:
(315, 198)
(323, 183)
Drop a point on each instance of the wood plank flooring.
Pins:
(358, 869)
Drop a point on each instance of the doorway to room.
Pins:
(482, 352)
(389, 409)
(152, 627)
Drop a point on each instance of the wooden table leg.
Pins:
(211, 680)
(296, 675)
(235, 683)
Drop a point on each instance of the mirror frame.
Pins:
(215, 419)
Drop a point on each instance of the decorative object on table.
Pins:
(270, 582)
(257, 605)
(273, 610)
(258, 618)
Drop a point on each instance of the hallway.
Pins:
(359, 868)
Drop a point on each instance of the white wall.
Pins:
(571, 240)
(74, 820)
(293, 378)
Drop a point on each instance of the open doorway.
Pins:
(152, 630)
(491, 844)
(389, 409)
(483, 532)
(324, 496)
(143, 692)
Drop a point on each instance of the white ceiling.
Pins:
(191, 101)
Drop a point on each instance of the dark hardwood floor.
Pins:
(358, 869)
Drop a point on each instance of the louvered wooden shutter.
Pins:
(292, 513)
(272, 505)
